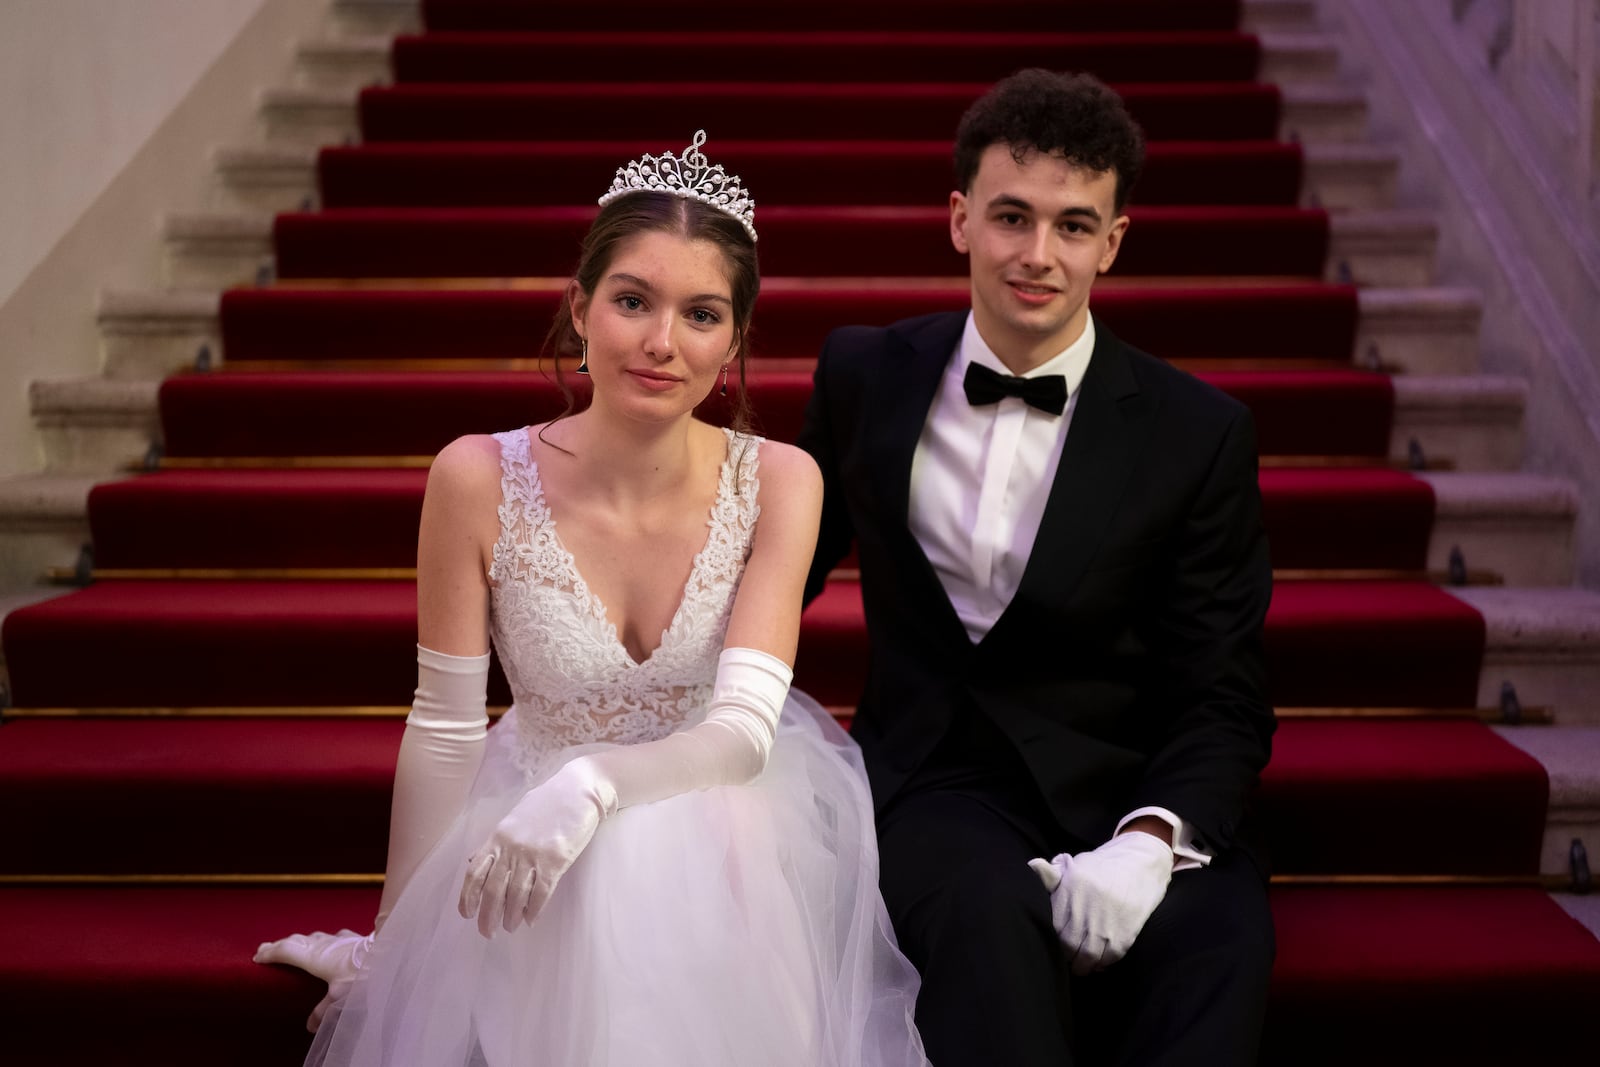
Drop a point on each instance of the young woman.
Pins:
(661, 855)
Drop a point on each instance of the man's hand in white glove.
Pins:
(334, 958)
(512, 875)
(1100, 900)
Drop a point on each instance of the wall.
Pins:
(109, 110)
(1514, 221)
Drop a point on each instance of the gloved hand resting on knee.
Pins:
(1100, 900)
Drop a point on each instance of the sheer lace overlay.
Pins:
(573, 681)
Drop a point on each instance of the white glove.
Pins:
(511, 877)
(1100, 900)
(334, 958)
(439, 757)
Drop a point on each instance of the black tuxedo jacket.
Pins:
(1128, 668)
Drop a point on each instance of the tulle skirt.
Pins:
(727, 927)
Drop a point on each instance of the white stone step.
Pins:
(1313, 113)
(1517, 525)
(1390, 248)
(44, 523)
(359, 18)
(94, 425)
(1422, 331)
(1546, 643)
(217, 249)
(265, 177)
(1298, 57)
(1473, 421)
(283, 177)
(1348, 176)
(1319, 112)
(346, 63)
(1287, 16)
(223, 248)
(148, 334)
(306, 116)
(1571, 758)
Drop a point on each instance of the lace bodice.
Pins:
(571, 677)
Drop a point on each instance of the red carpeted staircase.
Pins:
(202, 746)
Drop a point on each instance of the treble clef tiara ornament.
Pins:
(689, 175)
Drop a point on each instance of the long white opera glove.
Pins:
(1100, 900)
(439, 757)
(511, 877)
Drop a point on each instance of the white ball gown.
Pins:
(727, 927)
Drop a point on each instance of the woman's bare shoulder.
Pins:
(788, 467)
(789, 477)
(467, 468)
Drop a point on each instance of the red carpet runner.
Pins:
(483, 163)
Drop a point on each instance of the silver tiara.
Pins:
(687, 175)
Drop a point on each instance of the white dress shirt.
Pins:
(980, 478)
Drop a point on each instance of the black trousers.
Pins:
(997, 988)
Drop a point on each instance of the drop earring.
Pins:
(724, 379)
(583, 364)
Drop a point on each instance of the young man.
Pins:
(1065, 579)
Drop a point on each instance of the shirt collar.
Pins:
(1071, 362)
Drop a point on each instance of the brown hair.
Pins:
(646, 212)
(1072, 115)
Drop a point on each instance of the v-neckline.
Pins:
(593, 598)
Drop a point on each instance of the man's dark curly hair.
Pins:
(1074, 115)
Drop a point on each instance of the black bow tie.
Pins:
(1047, 392)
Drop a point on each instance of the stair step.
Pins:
(1318, 113)
(1256, 15)
(1546, 643)
(1471, 423)
(197, 795)
(1311, 114)
(1570, 756)
(149, 964)
(1280, 16)
(206, 250)
(384, 17)
(1521, 526)
(1470, 966)
(215, 249)
(1420, 331)
(406, 414)
(1285, 57)
(250, 519)
(1475, 421)
(1329, 644)
(44, 524)
(841, 55)
(1392, 249)
(809, 110)
(147, 334)
(1424, 332)
(346, 63)
(1408, 975)
(787, 173)
(1298, 57)
(91, 425)
(284, 177)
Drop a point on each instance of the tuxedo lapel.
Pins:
(1109, 428)
(901, 395)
